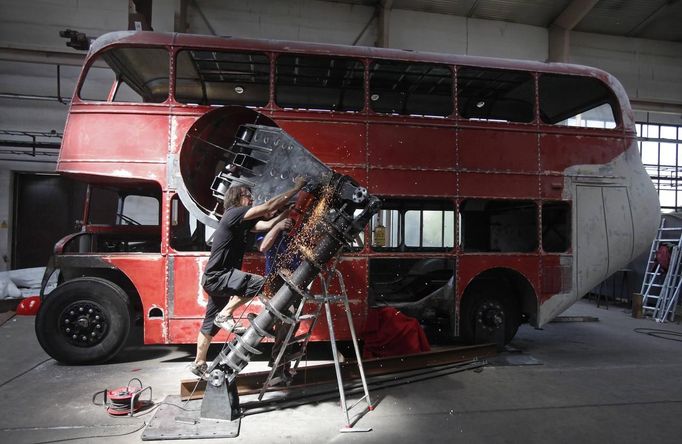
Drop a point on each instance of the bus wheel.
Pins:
(84, 321)
(489, 318)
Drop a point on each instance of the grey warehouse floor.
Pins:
(592, 382)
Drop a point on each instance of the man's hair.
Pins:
(233, 197)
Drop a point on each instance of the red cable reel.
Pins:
(124, 400)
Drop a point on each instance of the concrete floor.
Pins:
(595, 382)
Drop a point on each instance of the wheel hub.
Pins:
(83, 323)
(490, 316)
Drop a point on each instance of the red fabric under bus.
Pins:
(390, 333)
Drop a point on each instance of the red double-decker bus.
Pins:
(509, 188)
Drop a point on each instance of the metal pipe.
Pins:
(280, 303)
(16, 96)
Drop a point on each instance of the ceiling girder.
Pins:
(559, 30)
(634, 32)
(384, 13)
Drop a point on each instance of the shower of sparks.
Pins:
(304, 240)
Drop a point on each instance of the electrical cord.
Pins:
(9, 319)
(144, 424)
(24, 372)
(661, 334)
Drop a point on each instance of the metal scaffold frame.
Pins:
(284, 360)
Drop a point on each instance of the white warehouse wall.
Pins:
(421, 31)
(649, 70)
(304, 20)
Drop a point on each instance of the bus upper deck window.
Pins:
(222, 78)
(134, 75)
(495, 94)
(404, 88)
(576, 101)
(319, 83)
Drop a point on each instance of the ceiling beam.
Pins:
(364, 30)
(574, 13)
(384, 14)
(197, 8)
(41, 56)
(471, 11)
(140, 15)
(180, 23)
(656, 106)
(559, 30)
(665, 7)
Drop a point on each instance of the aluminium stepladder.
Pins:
(293, 348)
(660, 287)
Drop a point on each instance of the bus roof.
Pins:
(144, 38)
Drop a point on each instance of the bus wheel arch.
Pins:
(494, 304)
(116, 277)
(85, 320)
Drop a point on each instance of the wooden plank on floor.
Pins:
(249, 383)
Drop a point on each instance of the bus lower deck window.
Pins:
(505, 226)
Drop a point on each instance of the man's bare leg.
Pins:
(203, 342)
(234, 303)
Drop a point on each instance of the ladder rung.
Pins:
(307, 317)
(276, 380)
(290, 358)
(356, 403)
(301, 338)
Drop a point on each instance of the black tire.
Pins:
(84, 321)
(489, 318)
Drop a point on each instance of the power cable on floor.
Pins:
(661, 334)
(144, 424)
(24, 372)
(8, 319)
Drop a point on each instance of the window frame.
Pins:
(403, 206)
(274, 88)
(97, 61)
(616, 106)
(204, 100)
(534, 97)
(449, 66)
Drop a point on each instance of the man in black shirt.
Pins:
(227, 286)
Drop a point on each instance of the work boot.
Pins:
(228, 323)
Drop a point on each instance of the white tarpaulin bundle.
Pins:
(22, 282)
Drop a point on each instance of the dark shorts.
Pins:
(221, 288)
